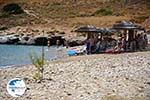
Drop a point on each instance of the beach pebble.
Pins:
(87, 78)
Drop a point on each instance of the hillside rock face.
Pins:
(146, 24)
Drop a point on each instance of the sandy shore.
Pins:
(95, 77)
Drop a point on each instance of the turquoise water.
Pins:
(16, 55)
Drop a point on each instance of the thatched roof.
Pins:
(93, 29)
(126, 25)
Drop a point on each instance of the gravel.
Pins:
(96, 77)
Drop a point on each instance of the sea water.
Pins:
(17, 55)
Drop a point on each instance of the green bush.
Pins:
(104, 12)
(3, 28)
(57, 3)
(147, 3)
(4, 15)
(38, 62)
(13, 9)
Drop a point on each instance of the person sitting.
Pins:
(102, 46)
(119, 47)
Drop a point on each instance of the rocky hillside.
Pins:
(70, 13)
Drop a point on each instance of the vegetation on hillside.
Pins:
(50, 11)
(103, 12)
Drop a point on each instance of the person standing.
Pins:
(88, 46)
(123, 40)
(145, 39)
(58, 43)
(59, 49)
(48, 44)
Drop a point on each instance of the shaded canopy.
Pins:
(107, 31)
(93, 29)
(126, 25)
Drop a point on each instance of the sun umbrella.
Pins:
(126, 25)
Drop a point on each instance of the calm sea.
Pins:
(16, 55)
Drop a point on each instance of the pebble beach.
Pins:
(123, 76)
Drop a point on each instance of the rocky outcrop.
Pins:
(53, 40)
(76, 41)
(3, 40)
(10, 39)
(34, 36)
(41, 40)
(27, 40)
(31, 40)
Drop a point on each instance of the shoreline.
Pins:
(21, 54)
(71, 58)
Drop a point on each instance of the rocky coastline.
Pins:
(31, 36)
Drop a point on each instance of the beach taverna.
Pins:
(130, 37)
(94, 32)
(135, 36)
